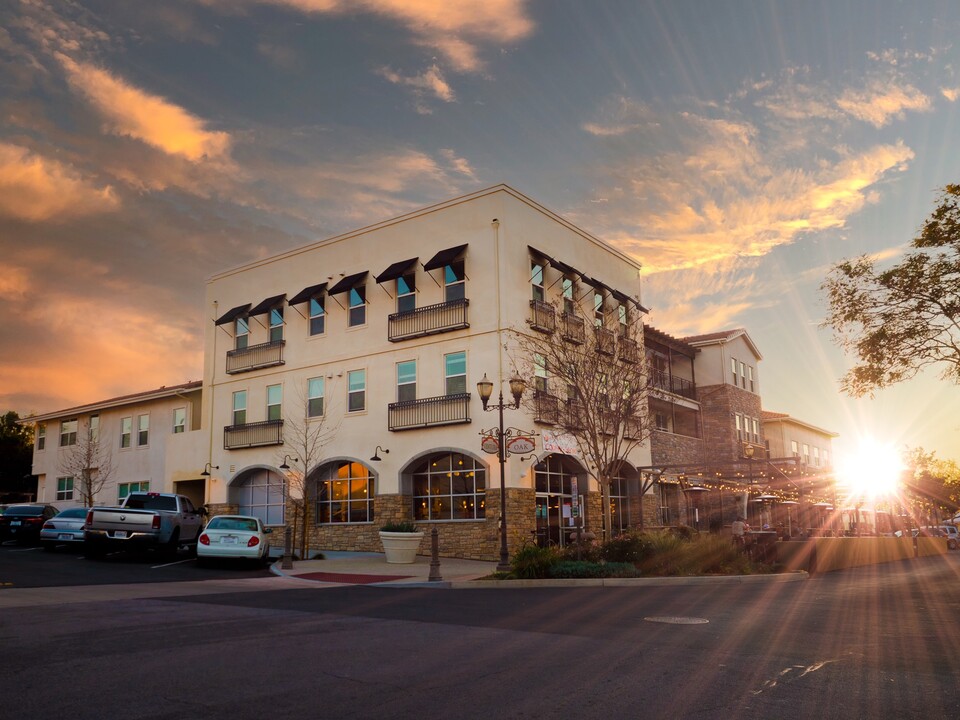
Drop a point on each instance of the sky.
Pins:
(737, 149)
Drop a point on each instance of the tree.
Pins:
(305, 437)
(904, 319)
(88, 462)
(16, 454)
(591, 382)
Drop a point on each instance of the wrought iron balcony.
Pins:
(572, 328)
(268, 432)
(629, 352)
(606, 341)
(255, 357)
(662, 380)
(573, 415)
(542, 316)
(546, 408)
(429, 412)
(428, 320)
(633, 428)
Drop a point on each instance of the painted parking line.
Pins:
(178, 562)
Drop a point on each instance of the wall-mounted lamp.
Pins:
(376, 453)
(207, 468)
(285, 466)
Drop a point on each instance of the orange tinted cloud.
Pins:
(154, 120)
(882, 101)
(35, 188)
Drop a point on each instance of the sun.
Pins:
(872, 471)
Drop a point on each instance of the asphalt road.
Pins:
(867, 643)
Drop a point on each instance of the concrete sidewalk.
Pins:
(368, 568)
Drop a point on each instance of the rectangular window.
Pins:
(454, 285)
(126, 432)
(41, 437)
(179, 420)
(274, 402)
(743, 375)
(93, 431)
(315, 393)
(241, 333)
(756, 429)
(794, 448)
(65, 488)
(826, 458)
(540, 373)
(568, 291)
(317, 316)
(356, 390)
(750, 377)
(406, 380)
(240, 407)
(733, 369)
(124, 489)
(276, 324)
(806, 454)
(68, 433)
(660, 421)
(623, 317)
(407, 293)
(536, 280)
(739, 421)
(358, 306)
(598, 309)
(455, 372)
(143, 430)
(816, 456)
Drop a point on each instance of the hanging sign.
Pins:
(559, 442)
(490, 445)
(521, 445)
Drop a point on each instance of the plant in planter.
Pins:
(401, 540)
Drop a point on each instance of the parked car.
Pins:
(953, 536)
(941, 531)
(66, 527)
(23, 522)
(145, 520)
(234, 536)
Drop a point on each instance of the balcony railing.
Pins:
(268, 432)
(633, 428)
(542, 316)
(629, 352)
(573, 415)
(428, 320)
(254, 357)
(662, 380)
(429, 412)
(572, 328)
(546, 408)
(606, 340)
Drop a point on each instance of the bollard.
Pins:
(434, 556)
(287, 563)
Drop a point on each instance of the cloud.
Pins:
(131, 112)
(950, 94)
(430, 81)
(883, 101)
(453, 28)
(458, 164)
(36, 188)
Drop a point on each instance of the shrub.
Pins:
(532, 562)
(625, 548)
(584, 569)
(589, 551)
(404, 526)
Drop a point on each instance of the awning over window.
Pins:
(267, 305)
(396, 270)
(350, 281)
(232, 314)
(561, 266)
(445, 257)
(308, 292)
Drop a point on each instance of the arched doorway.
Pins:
(554, 480)
(260, 493)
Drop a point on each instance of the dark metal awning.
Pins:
(232, 314)
(267, 305)
(311, 291)
(445, 257)
(396, 270)
(348, 282)
(561, 266)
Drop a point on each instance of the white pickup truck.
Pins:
(148, 519)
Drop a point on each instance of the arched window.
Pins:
(621, 490)
(260, 493)
(344, 493)
(449, 486)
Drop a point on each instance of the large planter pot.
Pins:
(401, 547)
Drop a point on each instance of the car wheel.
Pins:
(173, 545)
(951, 544)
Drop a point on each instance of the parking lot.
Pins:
(29, 566)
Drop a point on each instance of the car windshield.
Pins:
(73, 513)
(151, 502)
(225, 523)
(25, 511)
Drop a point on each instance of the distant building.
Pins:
(788, 437)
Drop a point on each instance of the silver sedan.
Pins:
(63, 529)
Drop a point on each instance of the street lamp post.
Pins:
(485, 390)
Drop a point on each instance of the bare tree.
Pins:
(590, 381)
(89, 462)
(306, 431)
